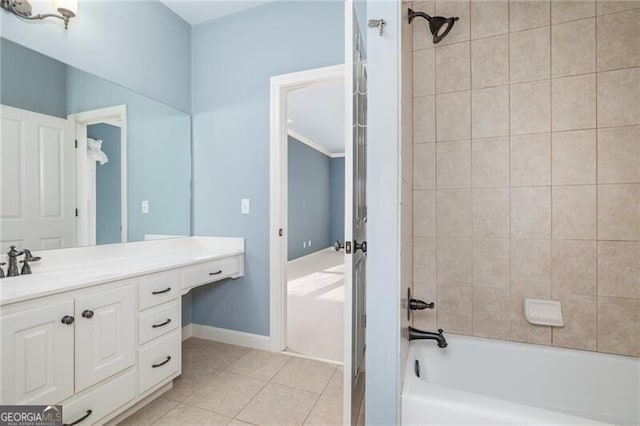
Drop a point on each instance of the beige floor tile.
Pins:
(335, 386)
(226, 394)
(305, 374)
(190, 381)
(186, 415)
(327, 411)
(279, 405)
(150, 412)
(207, 354)
(236, 422)
(259, 365)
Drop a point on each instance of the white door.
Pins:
(37, 180)
(105, 339)
(355, 216)
(36, 355)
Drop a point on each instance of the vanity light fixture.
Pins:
(66, 9)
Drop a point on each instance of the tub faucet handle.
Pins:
(418, 305)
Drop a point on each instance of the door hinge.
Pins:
(364, 320)
(76, 212)
(347, 247)
(76, 143)
(280, 232)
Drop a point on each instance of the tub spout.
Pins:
(415, 334)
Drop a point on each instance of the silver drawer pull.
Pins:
(166, 290)
(162, 324)
(162, 363)
(80, 419)
(216, 273)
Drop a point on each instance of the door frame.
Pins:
(117, 116)
(281, 85)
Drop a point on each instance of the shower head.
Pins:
(438, 25)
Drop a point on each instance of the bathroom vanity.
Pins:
(98, 329)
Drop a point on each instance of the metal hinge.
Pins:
(364, 320)
(76, 212)
(76, 143)
(280, 232)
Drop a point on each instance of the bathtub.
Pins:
(483, 381)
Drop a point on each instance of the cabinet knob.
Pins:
(67, 320)
(88, 314)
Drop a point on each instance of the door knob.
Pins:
(338, 245)
(359, 246)
(88, 314)
(67, 320)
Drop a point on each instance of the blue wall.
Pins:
(141, 45)
(158, 154)
(233, 59)
(32, 81)
(108, 184)
(309, 199)
(336, 232)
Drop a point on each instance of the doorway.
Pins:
(307, 166)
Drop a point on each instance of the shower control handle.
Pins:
(418, 305)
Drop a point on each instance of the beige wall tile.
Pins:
(619, 155)
(619, 98)
(573, 47)
(454, 308)
(491, 266)
(612, 6)
(618, 326)
(531, 212)
(619, 269)
(491, 314)
(424, 77)
(490, 112)
(574, 268)
(580, 323)
(454, 213)
(525, 14)
(424, 166)
(453, 164)
(490, 162)
(531, 160)
(531, 266)
(461, 9)
(530, 55)
(424, 260)
(454, 261)
(530, 108)
(424, 213)
(425, 319)
(573, 102)
(618, 36)
(424, 119)
(453, 69)
(521, 330)
(422, 38)
(574, 157)
(491, 212)
(574, 212)
(490, 62)
(453, 116)
(489, 18)
(571, 10)
(619, 212)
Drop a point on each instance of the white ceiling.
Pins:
(198, 11)
(317, 114)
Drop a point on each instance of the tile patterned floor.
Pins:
(230, 385)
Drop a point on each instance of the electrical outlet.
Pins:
(245, 206)
(145, 207)
(304, 244)
(309, 243)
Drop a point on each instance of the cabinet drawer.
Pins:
(102, 400)
(158, 288)
(158, 321)
(211, 271)
(158, 360)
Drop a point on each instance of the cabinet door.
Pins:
(36, 354)
(105, 334)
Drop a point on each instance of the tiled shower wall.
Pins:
(526, 179)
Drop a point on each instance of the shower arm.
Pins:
(413, 14)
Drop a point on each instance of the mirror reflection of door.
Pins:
(104, 172)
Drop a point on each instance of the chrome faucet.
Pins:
(12, 270)
(415, 334)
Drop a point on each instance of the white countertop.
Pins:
(71, 269)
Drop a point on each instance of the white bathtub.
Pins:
(483, 381)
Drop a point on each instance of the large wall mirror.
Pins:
(85, 161)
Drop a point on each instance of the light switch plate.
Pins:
(145, 207)
(245, 206)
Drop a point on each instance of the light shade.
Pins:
(67, 8)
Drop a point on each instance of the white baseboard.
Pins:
(231, 337)
(187, 331)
